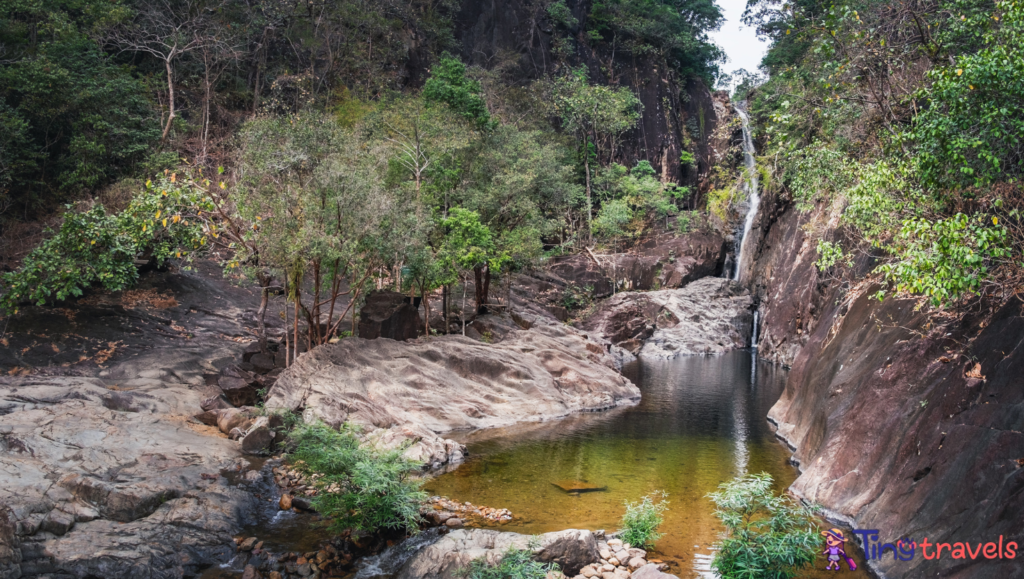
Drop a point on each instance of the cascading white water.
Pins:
(753, 335)
(751, 188)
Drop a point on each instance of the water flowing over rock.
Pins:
(708, 316)
(445, 559)
(445, 383)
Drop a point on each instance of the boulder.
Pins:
(583, 272)
(387, 314)
(686, 258)
(258, 438)
(238, 391)
(651, 571)
(708, 316)
(217, 402)
(445, 559)
(10, 546)
(427, 387)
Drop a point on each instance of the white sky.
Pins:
(739, 42)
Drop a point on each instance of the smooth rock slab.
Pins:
(435, 385)
(445, 559)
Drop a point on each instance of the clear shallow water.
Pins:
(700, 422)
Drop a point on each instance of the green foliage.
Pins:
(631, 198)
(448, 84)
(94, 247)
(945, 259)
(468, 243)
(576, 298)
(972, 131)
(768, 536)
(721, 201)
(73, 120)
(376, 491)
(595, 114)
(561, 14)
(612, 218)
(687, 159)
(642, 519)
(674, 29)
(515, 564)
(831, 254)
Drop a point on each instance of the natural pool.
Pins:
(701, 421)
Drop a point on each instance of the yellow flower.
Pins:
(157, 214)
(176, 218)
(165, 222)
(222, 185)
(971, 86)
(959, 71)
(995, 221)
(174, 177)
(143, 227)
(93, 242)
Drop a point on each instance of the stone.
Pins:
(444, 559)
(621, 573)
(427, 387)
(615, 544)
(453, 523)
(651, 571)
(622, 555)
(608, 567)
(614, 561)
(386, 314)
(57, 522)
(217, 402)
(232, 418)
(251, 572)
(259, 438)
(634, 552)
(274, 575)
(583, 272)
(247, 544)
(208, 417)
(589, 571)
(302, 504)
(637, 562)
(263, 363)
(606, 553)
(238, 391)
(285, 502)
(10, 545)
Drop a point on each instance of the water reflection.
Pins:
(701, 421)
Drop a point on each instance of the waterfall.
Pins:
(751, 188)
(753, 335)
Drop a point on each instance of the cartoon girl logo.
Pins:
(835, 551)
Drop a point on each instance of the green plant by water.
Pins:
(642, 519)
(373, 489)
(768, 536)
(515, 564)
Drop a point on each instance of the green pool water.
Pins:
(700, 422)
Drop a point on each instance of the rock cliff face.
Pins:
(896, 426)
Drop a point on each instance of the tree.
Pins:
(168, 30)
(315, 195)
(448, 84)
(596, 116)
(469, 244)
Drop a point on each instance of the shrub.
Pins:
(576, 298)
(642, 519)
(371, 489)
(768, 536)
(515, 564)
(94, 247)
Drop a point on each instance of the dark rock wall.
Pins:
(891, 430)
(491, 32)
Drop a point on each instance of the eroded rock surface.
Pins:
(708, 316)
(446, 558)
(451, 382)
(107, 483)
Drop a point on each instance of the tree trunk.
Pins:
(426, 309)
(590, 205)
(478, 288)
(287, 342)
(487, 288)
(260, 314)
(170, 97)
(444, 308)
